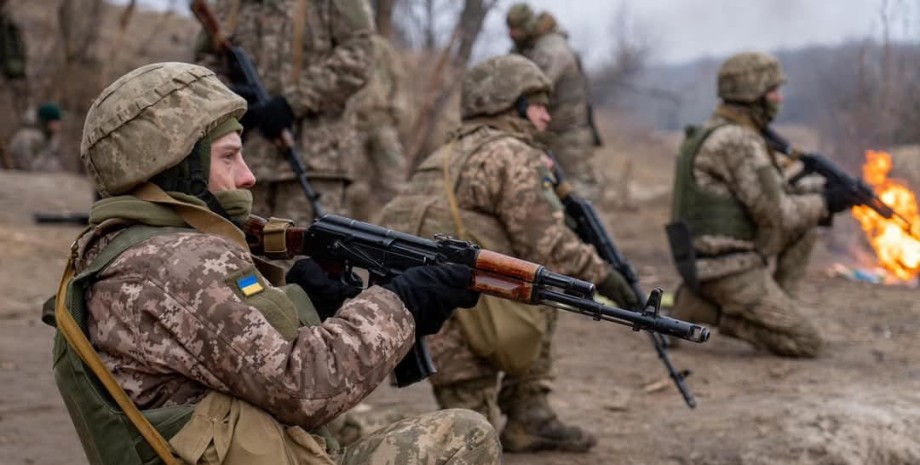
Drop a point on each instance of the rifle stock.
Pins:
(591, 230)
(246, 81)
(384, 253)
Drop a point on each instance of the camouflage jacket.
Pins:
(380, 101)
(317, 76)
(504, 189)
(569, 100)
(32, 150)
(171, 323)
(735, 161)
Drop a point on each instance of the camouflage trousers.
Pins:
(449, 437)
(574, 151)
(466, 380)
(382, 174)
(285, 199)
(757, 306)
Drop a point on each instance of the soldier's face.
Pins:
(775, 96)
(539, 116)
(228, 169)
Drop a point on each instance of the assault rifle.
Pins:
(244, 79)
(345, 244)
(591, 230)
(860, 193)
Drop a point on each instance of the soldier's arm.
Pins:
(326, 86)
(199, 325)
(510, 179)
(754, 181)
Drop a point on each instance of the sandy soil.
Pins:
(856, 404)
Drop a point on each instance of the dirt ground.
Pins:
(858, 403)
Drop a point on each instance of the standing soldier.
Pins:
(378, 109)
(37, 146)
(742, 217)
(492, 184)
(313, 56)
(226, 366)
(571, 135)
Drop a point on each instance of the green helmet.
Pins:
(745, 77)
(494, 85)
(520, 16)
(149, 120)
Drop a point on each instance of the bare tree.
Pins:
(632, 49)
(446, 76)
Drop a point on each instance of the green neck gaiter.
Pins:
(236, 202)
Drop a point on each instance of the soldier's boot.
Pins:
(533, 426)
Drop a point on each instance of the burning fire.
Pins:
(897, 250)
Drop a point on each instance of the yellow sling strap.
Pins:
(200, 218)
(78, 341)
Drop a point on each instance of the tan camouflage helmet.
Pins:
(149, 120)
(745, 77)
(520, 16)
(494, 85)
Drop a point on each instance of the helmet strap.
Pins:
(521, 105)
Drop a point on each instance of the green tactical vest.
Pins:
(705, 212)
(107, 434)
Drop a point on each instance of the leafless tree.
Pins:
(633, 46)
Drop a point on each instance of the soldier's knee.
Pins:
(473, 427)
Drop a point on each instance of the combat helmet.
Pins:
(149, 120)
(494, 85)
(745, 77)
(520, 16)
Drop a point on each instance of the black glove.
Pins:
(837, 198)
(271, 117)
(431, 293)
(618, 290)
(326, 293)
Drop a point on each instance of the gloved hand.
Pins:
(431, 293)
(615, 288)
(271, 117)
(326, 293)
(837, 198)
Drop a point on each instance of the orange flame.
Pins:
(897, 250)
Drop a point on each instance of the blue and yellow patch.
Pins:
(249, 285)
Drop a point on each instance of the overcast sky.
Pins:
(683, 30)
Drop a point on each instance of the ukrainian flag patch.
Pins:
(249, 285)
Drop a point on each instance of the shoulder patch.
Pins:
(249, 284)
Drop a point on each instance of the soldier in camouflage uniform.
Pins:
(37, 145)
(493, 184)
(745, 217)
(181, 316)
(377, 110)
(571, 135)
(313, 56)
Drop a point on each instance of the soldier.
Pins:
(313, 56)
(36, 146)
(492, 184)
(743, 217)
(571, 135)
(378, 110)
(191, 330)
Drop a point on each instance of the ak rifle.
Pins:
(344, 244)
(588, 226)
(244, 79)
(859, 192)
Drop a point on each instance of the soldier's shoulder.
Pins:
(181, 250)
(729, 134)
